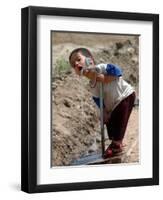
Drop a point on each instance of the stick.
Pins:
(102, 119)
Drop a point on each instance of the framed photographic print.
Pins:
(90, 99)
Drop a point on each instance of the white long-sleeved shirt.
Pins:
(115, 91)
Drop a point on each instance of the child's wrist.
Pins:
(89, 74)
(100, 78)
(84, 73)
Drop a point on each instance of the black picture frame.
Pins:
(29, 99)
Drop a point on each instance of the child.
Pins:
(119, 96)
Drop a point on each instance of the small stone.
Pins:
(67, 103)
(131, 50)
(134, 60)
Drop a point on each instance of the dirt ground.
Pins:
(75, 124)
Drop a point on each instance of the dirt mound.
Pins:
(75, 126)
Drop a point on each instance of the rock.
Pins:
(134, 60)
(131, 50)
(98, 139)
(67, 103)
(119, 45)
(132, 78)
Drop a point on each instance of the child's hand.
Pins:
(91, 74)
(106, 116)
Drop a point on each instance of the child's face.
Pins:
(78, 62)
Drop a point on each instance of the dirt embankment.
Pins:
(75, 124)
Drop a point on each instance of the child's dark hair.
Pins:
(84, 52)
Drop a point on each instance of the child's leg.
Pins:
(118, 121)
(119, 118)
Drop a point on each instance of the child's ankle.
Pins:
(117, 142)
